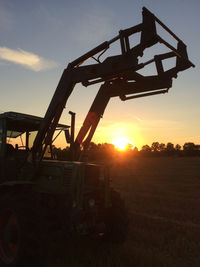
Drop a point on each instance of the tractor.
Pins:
(41, 195)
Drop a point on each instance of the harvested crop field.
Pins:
(162, 196)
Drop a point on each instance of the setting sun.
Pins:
(121, 143)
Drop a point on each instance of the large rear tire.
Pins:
(21, 233)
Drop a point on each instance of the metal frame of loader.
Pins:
(120, 77)
(77, 195)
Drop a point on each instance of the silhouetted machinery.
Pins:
(39, 196)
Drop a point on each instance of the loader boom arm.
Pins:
(119, 76)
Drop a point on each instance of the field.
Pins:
(163, 199)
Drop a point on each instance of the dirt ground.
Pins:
(162, 196)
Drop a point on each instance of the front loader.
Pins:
(40, 195)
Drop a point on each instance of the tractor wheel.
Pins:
(20, 232)
(116, 220)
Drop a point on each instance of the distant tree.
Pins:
(189, 146)
(107, 150)
(177, 147)
(155, 146)
(170, 150)
(146, 148)
(190, 149)
(129, 147)
(161, 147)
(170, 147)
(108, 147)
(92, 146)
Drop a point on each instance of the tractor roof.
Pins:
(24, 122)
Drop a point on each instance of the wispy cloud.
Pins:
(26, 59)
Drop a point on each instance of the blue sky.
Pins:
(39, 39)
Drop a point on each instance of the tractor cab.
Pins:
(17, 135)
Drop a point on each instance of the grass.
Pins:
(162, 196)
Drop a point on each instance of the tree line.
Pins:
(188, 149)
(108, 151)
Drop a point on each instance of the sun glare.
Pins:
(121, 143)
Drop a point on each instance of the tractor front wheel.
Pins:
(116, 220)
